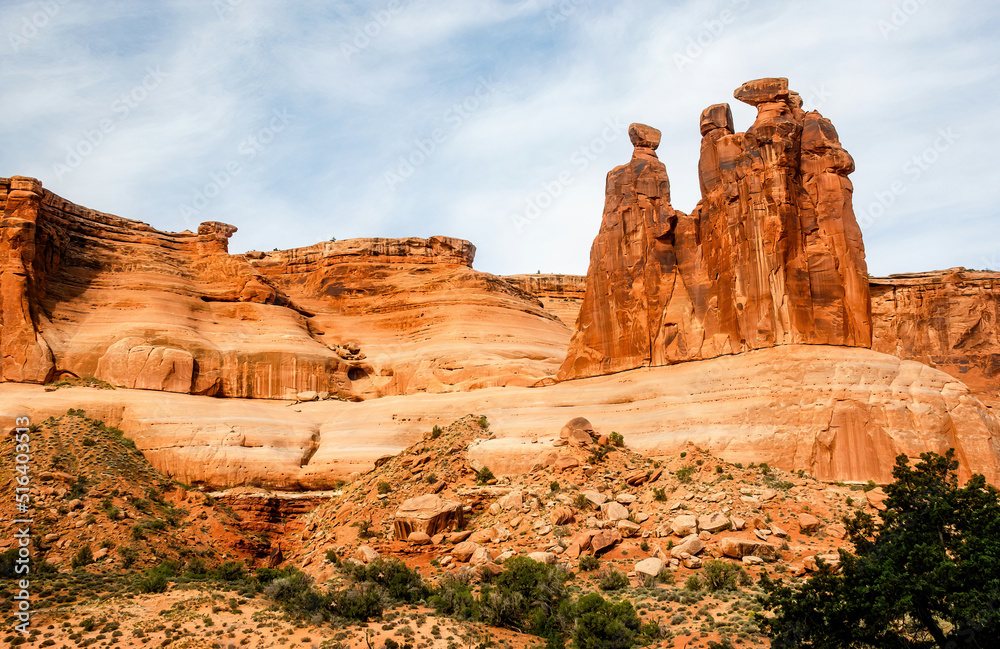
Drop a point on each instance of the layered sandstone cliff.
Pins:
(89, 294)
(947, 319)
(771, 255)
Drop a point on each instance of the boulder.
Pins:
(808, 523)
(604, 540)
(418, 538)
(464, 551)
(613, 511)
(738, 548)
(367, 554)
(650, 567)
(429, 513)
(561, 516)
(684, 525)
(690, 544)
(713, 523)
(548, 558)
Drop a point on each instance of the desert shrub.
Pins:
(527, 596)
(361, 603)
(454, 597)
(484, 423)
(436, 432)
(83, 557)
(484, 475)
(659, 495)
(331, 556)
(365, 530)
(616, 439)
(554, 486)
(612, 579)
(8, 563)
(721, 575)
(399, 582)
(296, 595)
(580, 502)
(384, 487)
(693, 583)
(684, 474)
(230, 571)
(601, 624)
(431, 478)
(128, 555)
(588, 562)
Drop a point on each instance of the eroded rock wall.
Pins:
(89, 294)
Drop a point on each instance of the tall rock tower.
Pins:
(772, 254)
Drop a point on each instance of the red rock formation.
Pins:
(771, 255)
(947, 319)
(90, 294)
(561, 295)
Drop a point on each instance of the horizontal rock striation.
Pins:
(89, 294)
(948, 319)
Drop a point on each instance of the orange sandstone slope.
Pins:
(85, 293)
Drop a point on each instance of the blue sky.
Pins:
(492, 121)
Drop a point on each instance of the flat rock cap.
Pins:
(644, 136)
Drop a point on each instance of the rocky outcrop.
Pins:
(89, 294)
(429, 514)
(947, 319)
(561, 295)
(772, 254)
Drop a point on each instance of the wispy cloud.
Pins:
(369, 83)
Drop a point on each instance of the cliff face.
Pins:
(561, 295)
(771, 255)
(90, 294)
(947, 319)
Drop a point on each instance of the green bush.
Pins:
(612, 579)
(83, 557)
(721, 575)
(230, 571)
(616, 439)
(685, 474)
(588, 562)
(527, 596)
(484, 475)
(659, 495)
(454, 598)
(436, 432)
(399, 582)
(296, 595)
(154, 581)
(484, 422)
(384, 487)
(601, 624)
